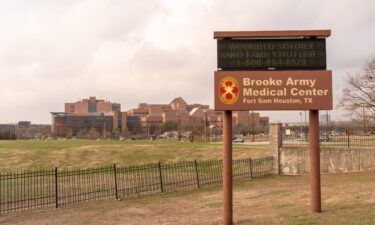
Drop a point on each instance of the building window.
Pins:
(120, 120)
(92, 107)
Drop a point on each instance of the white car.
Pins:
(238, 140)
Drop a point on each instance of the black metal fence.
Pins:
(345, 138)
(53, 188)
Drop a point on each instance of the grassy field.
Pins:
(346, 199)
(69, 154)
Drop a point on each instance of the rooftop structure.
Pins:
(92, 105)
(89, 116)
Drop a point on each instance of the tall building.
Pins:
(89, 115)
(325, 118)
(189, 115)
(177, 111)
(104, 117)
(264, 122)
(247, 118)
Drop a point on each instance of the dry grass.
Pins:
(69, 154)
(347, 199)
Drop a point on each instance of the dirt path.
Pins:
(347, 199)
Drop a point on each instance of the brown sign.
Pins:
(273, 90)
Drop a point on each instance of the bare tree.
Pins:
(358, 96)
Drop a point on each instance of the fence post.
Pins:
(251, 169)
(56, 190)
(161, 178)
(115, 176)
(196, 173)
(275, 134)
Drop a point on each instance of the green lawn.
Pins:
(68, 154)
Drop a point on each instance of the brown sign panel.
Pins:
(279, 54)
(273, 90)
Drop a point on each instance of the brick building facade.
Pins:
(104, 116)
(88, 115)
(178, 111)
(187, 116)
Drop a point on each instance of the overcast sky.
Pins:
(152, 51)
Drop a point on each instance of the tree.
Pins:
(115, 134)
(358, 97)
(69, 134)
(154, 129)
(242, 129)
(93, 134)
(6, 135)
(195, 131)
(81, 134)
(170, 126)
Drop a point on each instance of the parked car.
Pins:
(324, 138)
(239, 140)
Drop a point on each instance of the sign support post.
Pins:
(227, 169)
(314, 161)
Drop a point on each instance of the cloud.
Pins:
(150, 51)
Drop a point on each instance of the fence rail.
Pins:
(26, 190)
(346, 141)
(328, 139)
